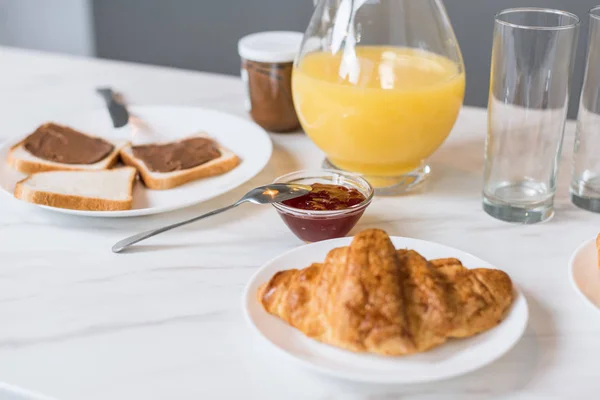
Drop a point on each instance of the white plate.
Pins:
(585, 274)
(250, 142)
(453, 358)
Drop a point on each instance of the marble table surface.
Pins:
(165, 322)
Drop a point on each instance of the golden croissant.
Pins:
(370, 297)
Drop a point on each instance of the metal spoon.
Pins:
(274, 193)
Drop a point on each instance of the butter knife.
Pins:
(118, 112)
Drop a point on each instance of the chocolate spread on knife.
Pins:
(61, 144)
(175, 156)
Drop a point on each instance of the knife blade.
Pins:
(118, 112)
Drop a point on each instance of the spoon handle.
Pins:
(123, 244)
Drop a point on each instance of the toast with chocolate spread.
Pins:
(54, 147)
(170, 164)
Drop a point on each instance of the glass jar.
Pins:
(378, 86)
(317, 225)
(267, 63)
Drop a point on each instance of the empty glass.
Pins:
(532, 62)
(585, 180)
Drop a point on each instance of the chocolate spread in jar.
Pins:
(270, 92)
(176, 156)
(61, 144)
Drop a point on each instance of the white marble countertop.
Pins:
(165, 322)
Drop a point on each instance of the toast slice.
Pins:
(598, 248)
(167, 180)
(104, 190)
(24, 161)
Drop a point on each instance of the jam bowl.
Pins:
(330, 210)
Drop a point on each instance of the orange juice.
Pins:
(388, 117)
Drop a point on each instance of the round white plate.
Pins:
(453, 358)
(250, 142)
(585, 274)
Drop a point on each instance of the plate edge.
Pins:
(574, 285)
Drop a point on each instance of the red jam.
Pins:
(323, 197)
(327, 197)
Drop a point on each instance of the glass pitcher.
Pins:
(378, 85)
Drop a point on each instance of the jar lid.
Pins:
(275, 46)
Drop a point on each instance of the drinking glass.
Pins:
(532, 63)
(378, 86)
(585, 178)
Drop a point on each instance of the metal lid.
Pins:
(274, 46)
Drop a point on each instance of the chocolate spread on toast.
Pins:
(176, 156)
(61, 144)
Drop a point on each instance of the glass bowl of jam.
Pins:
(331, 209)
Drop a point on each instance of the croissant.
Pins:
(370, 297)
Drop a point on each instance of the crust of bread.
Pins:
(598, 248)
(34, 166)
(72, 202)
(212, 168)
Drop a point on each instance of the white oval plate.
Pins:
(585, 274)
(453, 358)
(250, 142)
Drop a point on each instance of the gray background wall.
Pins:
(63, 26)
(202, 34)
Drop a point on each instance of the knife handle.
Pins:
(107, 94)
(118, 112)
